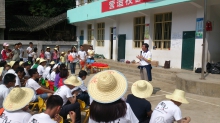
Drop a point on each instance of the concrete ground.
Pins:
(201, 109)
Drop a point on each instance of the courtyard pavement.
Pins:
(201, 109)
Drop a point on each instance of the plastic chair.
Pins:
(84, 109)
(41, 104)
(33, 104)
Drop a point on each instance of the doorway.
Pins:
(81, 38)
(111, 43)
(121, 46)
(188, 50)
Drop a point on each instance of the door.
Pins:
(188, 50)
(111, 44)
(81, 39)
(121, 46)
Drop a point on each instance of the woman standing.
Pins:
(55, 55)
(58, 53)
(72, 57)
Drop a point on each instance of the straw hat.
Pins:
(62, 53)
(42, 60)
(178, 95)
(142, 89)
(11, 63)
(48, 48)
(18, 98)
(52, 62)
(1, 70)
(73, 80)
(20, 63)
(37, 59)
(55, 49)
(107, 86)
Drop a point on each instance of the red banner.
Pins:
(110, 5)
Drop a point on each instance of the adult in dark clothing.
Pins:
(141, 107)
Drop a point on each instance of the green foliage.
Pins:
(50, 8)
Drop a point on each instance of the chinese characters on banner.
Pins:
(199, 28)
(109, 5)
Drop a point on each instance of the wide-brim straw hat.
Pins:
(142, 89)
(72, 80)
(18, 98)
(20, 63)
(178, 95)
(37, 59)
(52, 62)
(42, 60)
(91, 52)
(55, 49)
(62, 53)
(107, 86)
(11, 63)
(48, 48)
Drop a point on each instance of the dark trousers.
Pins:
(84, 96)
(30, 59)
(72, 68)
(21, 59)
(71, 107)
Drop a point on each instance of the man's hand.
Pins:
(185, 120)
(57, 118)
(140, 57)
(72, 116)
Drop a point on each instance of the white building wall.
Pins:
(183, 19)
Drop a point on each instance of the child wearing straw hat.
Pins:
(16, 105)
(62, 58)
(36, 64)
(41, 68)
(47, 70)
(141, 89)
(65, 93)
(48, 55)
(106, 89)
(169, 111)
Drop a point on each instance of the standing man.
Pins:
(145, 63)
(16, 53)
(29, 52)
(21, 51)
(82, 57)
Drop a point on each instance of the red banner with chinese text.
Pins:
(110, 5)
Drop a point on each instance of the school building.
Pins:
(172, 28)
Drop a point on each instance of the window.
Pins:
(81, 33)
(100, 34)
(139, 29)
(89, 29)
(81, 2)
(89, 1)
(162, 30)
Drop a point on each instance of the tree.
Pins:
(50, 8)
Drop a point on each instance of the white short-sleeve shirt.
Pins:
(17, 82)
(29, 49)
(74, 55)
(3, 93)
(147, 55)
(40, 70)
(52, 76)
(47, 55)
(46, 72)
(31, 83)
(166, 112)
(15, 117)
(82, 54)
(64, 92)
(41, 118)
(128, 118)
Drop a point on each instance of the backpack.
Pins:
(70, 58)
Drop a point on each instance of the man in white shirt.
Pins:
(21, 51)
(9, 81)
(145, 63)
(82, 89)
(169, 111)
(82, 57)
(53, 104)
(17, 71)
(31, 83)
(65, 93)
(29, 52)
(16, 106)
(40, 68)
